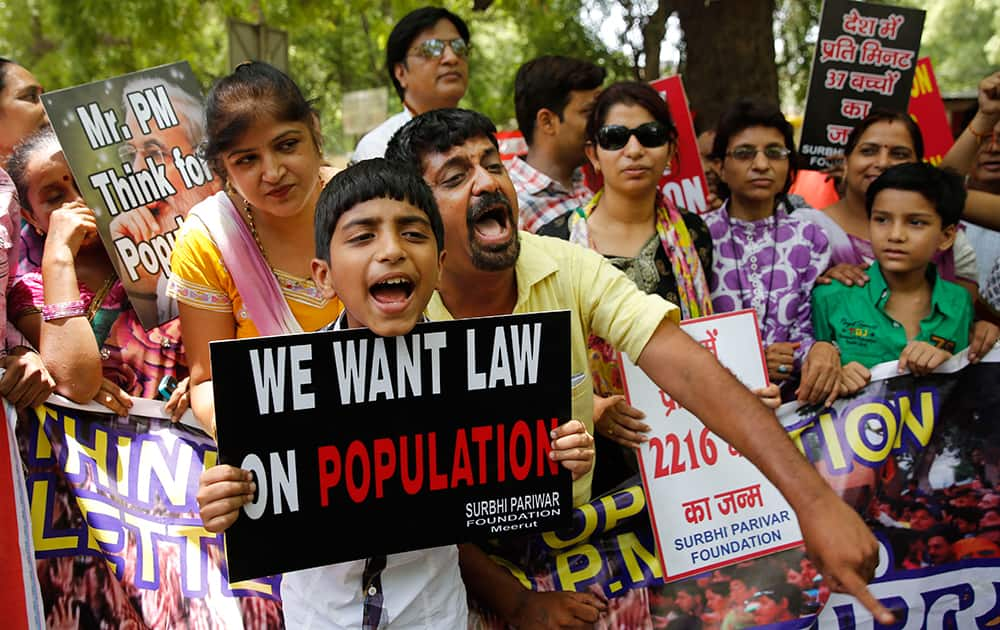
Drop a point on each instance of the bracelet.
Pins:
(73, 308)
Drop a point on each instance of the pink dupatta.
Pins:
(255, 281)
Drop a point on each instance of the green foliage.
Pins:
(796, 24)
(960, 37)
(335, 46)
(66, 43)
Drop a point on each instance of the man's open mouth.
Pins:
(492, 223)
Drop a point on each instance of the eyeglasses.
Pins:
(747, 153)
(434, 48)
(127, 153)
(649, 135)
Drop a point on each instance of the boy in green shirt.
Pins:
(906, 312)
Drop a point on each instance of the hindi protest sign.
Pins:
(710, 506)
(684, 181)
(350, 432)
(927, 109)
(130, 142)
(865, 59)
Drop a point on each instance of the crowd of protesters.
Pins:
(591, 176)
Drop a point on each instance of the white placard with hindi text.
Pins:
(709, 506)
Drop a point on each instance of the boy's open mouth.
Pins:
(392, 290)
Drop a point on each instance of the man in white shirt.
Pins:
(427, 59)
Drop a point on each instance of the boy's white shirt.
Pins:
(421, 589)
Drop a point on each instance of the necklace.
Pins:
(253, 229)
(753, 266)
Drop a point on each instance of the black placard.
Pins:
(463, 407)
(865, 58)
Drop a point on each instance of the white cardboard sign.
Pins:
(709, 506)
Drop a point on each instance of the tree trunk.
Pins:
(653, 33)
(728, 53)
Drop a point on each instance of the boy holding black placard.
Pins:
(379, 240)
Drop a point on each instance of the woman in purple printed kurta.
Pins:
(766, 258)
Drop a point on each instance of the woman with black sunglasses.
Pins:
(767, 258)
(631, 139)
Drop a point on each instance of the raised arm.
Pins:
(67, 344)
(962, 155)
(982, 208)
(834, 534)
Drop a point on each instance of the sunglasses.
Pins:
(434, 48)
(649, 135)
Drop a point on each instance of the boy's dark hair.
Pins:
(437, 131)
(372, 179)
(631, 93)
(251, 91)
(887, 115)
(941, 187)
(744, 114)
(407, 29)
(546, 82)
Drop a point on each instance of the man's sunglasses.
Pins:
(649, 135)
(434, 48)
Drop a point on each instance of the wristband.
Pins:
(73, 308)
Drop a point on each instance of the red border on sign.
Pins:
(13, 594)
